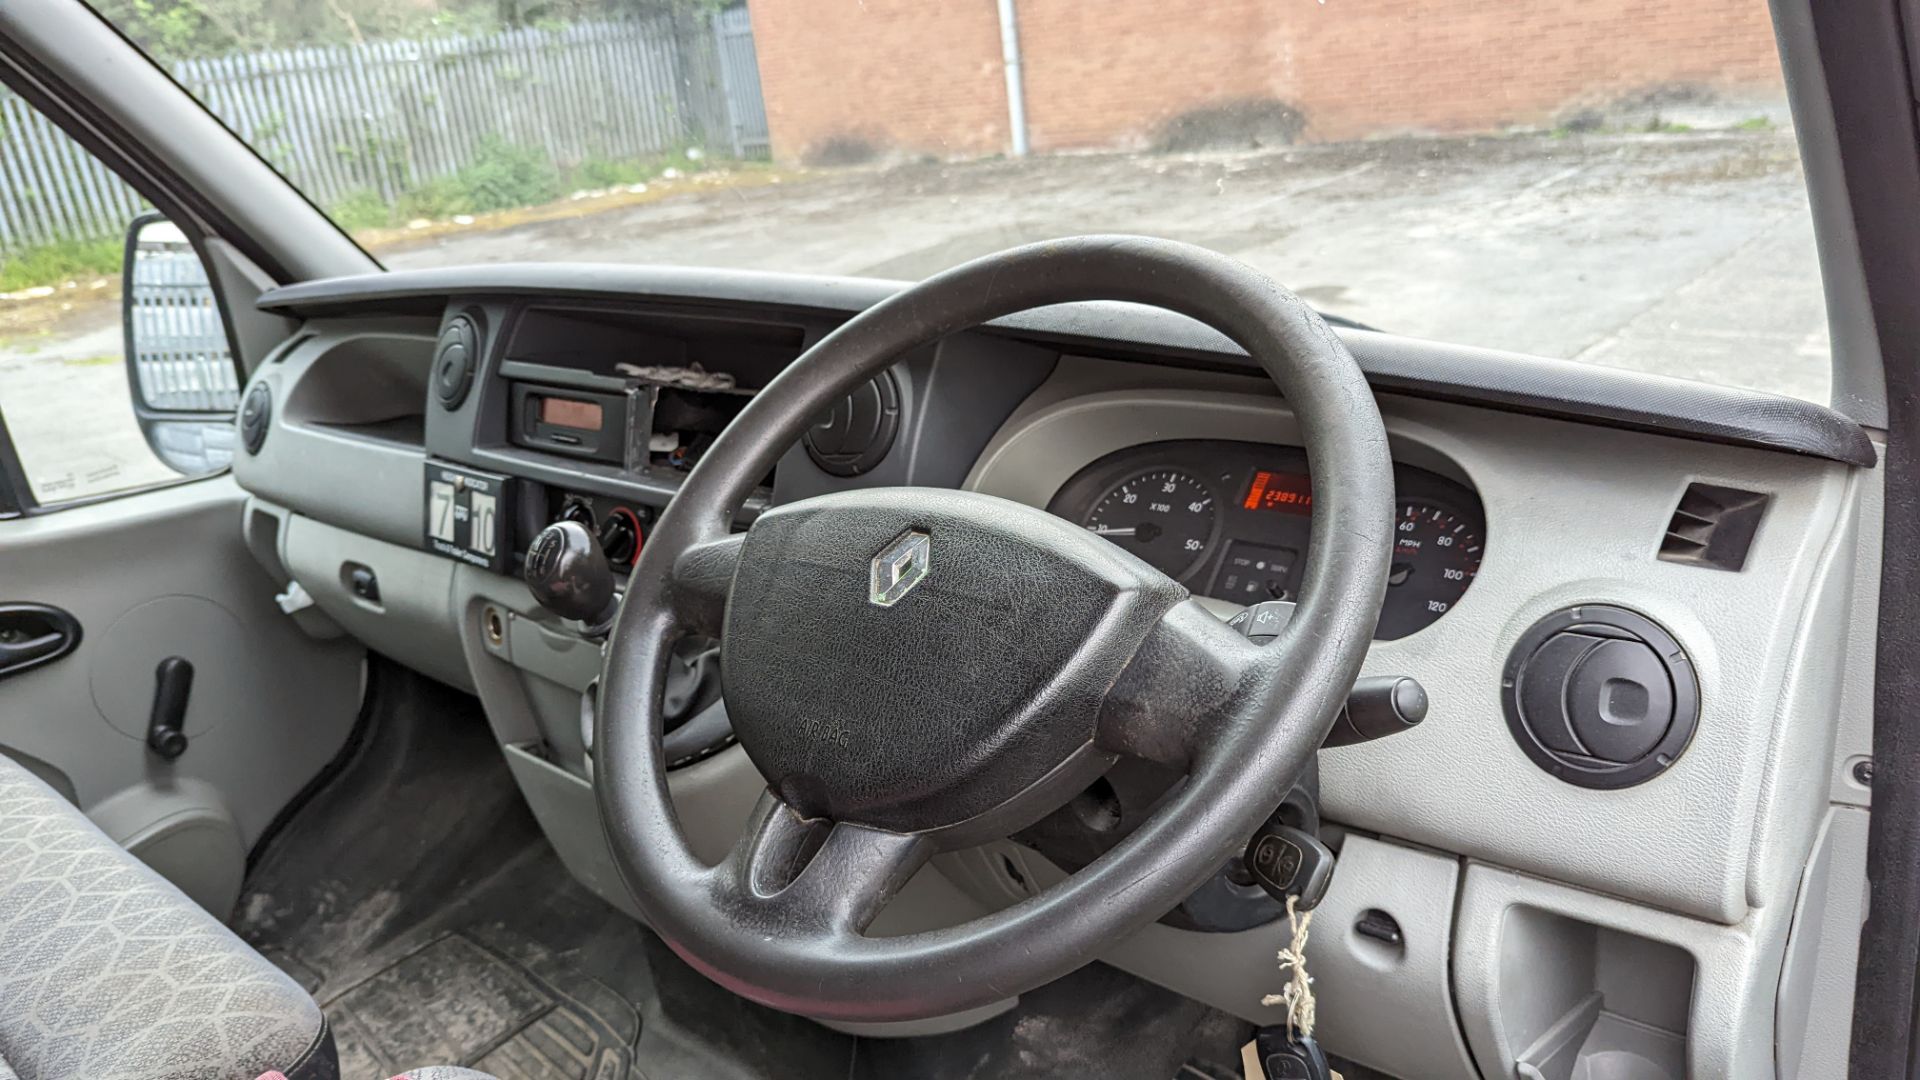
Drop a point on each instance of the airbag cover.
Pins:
(924, 707)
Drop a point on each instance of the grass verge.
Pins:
(52, 264)
(505, 176)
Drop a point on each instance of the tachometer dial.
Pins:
(1436, 553)
(1165, 516)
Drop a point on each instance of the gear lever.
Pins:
(571, 577)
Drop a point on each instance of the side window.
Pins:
(115, 369)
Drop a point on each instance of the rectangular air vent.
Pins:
(1713, 526)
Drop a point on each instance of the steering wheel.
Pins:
(915, 670)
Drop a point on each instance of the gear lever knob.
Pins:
(571, 577)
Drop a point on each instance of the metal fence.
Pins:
(386, 117)
(740, 79)
(50, 188)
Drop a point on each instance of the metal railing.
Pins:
(740, 78)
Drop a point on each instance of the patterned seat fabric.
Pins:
(107, 972)
(437, 1072)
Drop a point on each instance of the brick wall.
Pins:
(925, 75)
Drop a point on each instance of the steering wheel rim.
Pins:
(780, 920)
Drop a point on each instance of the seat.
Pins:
(108, 972)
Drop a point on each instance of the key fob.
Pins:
(1290, 1057)
(1290, 862)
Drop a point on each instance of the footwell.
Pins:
(417, 901)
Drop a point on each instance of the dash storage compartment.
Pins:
(563, 804)
(1584, 1002)
(1555, 983)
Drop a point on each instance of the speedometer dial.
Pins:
(1165, 516)
(1436, 553)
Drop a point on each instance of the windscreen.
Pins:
(1606, 181)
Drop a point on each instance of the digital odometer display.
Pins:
(1288, 492)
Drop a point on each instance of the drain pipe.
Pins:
(1016, 92)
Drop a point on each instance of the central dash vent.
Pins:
(1713, 526)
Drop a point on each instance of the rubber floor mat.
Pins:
(456, 1000)
(417, 901)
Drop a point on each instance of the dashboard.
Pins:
(427, 424)
(1230, 520)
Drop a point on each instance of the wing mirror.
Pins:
(180, 367)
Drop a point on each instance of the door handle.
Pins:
(34, 634)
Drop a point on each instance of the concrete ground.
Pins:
(1689, 254)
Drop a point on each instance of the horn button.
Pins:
(915, 659)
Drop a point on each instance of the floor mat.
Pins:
(416, 899)
(1097, 1022)
(456, 1000)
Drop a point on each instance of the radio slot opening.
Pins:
(647, 392)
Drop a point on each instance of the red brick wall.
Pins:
(1476, 65)
(925, 76)
(1113, 71)
(922, 75)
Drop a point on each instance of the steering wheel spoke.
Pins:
(701, 578)
(1177, 698)
(834, 875)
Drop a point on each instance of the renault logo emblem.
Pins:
(900, 566)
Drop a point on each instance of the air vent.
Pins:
(256, 416)
(853, 436)
(454, 358)
(1600, 696)
(1713, 526)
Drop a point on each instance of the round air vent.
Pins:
(256, 416)
(1600, 696)
(853, 436)
(454, 357)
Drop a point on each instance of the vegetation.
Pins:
(361, 209)
(606, 172)
(502, 176)
(68, 260)
(179, 29)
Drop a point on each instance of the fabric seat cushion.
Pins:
(108, 972)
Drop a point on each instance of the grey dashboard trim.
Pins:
(1730, 1014)
(1722, 833)
(1508, 381)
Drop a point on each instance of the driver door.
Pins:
(147, 671)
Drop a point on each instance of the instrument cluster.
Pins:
(1231, 520)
